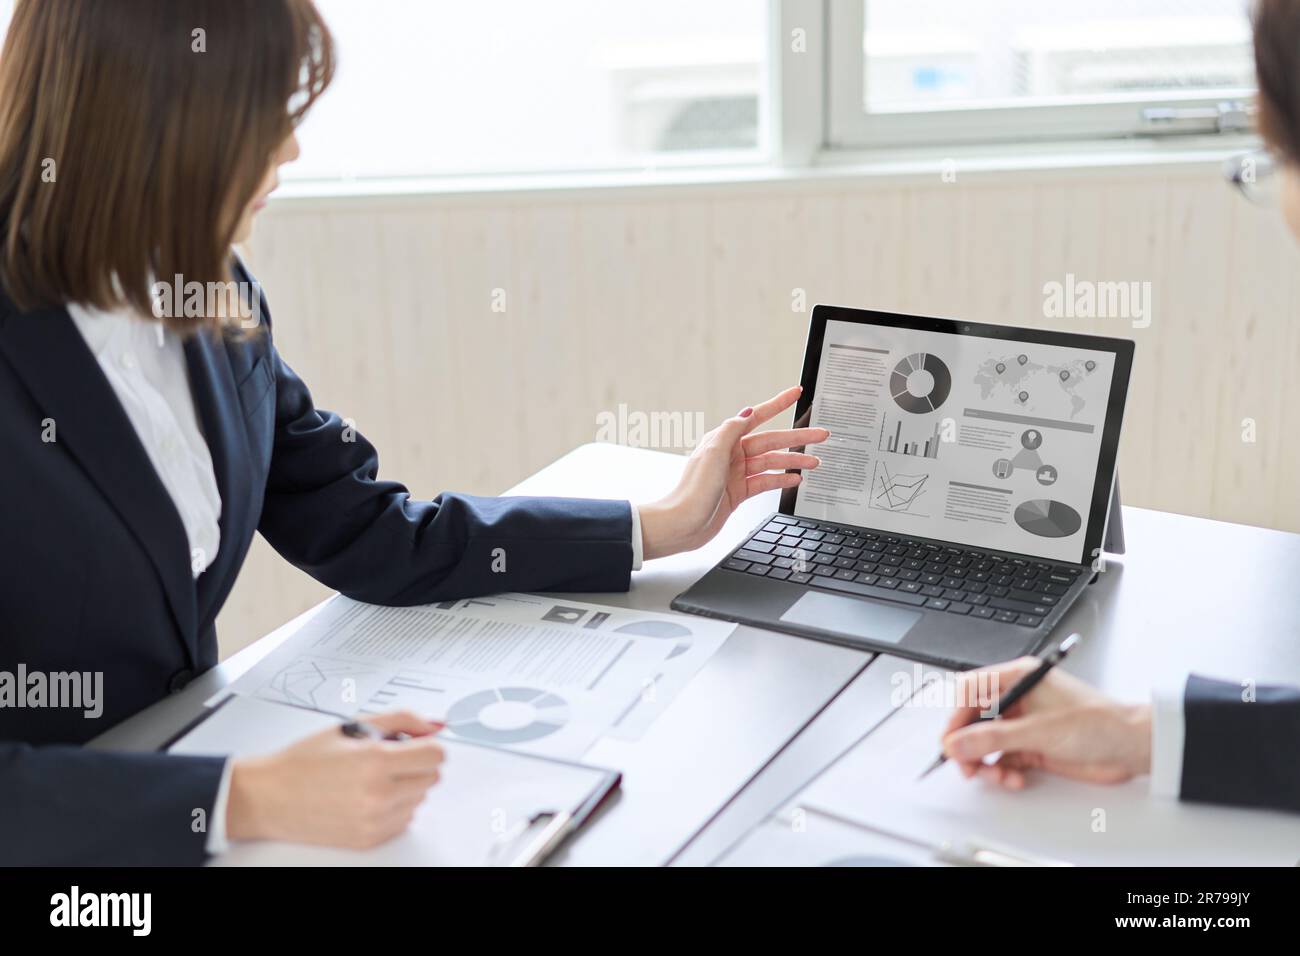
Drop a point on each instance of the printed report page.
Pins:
(984, 442)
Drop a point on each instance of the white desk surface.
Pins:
(769, 711)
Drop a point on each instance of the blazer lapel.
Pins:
(216, 400)
(52, 359)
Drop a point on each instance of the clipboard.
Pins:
(492, 807)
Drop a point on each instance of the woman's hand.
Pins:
(728, 466)
(1062, 726)
(335, 790)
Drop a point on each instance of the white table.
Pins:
(769, 710)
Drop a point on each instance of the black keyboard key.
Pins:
(1058, 578)
(937, 604)
(1028, 620)
(979, 599)
(984, 612)
(827, 559)
(958, 607)
(829, 548)
(1020, 607)
(783, 563)
(761, 547)
(931, 579)
(779, 573)
(845, 575)
(1055, 589)
(845, 562)
(758, 569)
(790, 542)
(822, 571)
(954, 595)
(767, 536)
(1006, 617)
(911, 587)
(814, 535)
(753, 556)
(800, 577)
(735, 564)
(867, 578)
(783, 519)
(888, 583)
(932, 591)
(867, 590)
(908, 575)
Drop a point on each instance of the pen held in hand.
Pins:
(361, 730)
(1018, 691)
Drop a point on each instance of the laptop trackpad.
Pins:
(842, 615)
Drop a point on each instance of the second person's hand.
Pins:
(1063, 726)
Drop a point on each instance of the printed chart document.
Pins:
(471, 817)
(876, 785)
(530, 672)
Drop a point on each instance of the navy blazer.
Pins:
(96, 567)
(1241, 751)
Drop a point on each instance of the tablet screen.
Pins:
(982, 441)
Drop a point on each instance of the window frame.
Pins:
(848, 125)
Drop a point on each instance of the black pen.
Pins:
(1021, 688)
(364, 731)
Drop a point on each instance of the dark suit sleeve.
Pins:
(327, 512)
(65, 806)
(1241, 752)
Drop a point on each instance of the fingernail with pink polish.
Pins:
(747, 411)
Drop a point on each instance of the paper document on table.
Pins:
(517, 670)
(483, 794)
(807, 838)
(876, 784)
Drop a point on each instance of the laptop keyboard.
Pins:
(893, 567)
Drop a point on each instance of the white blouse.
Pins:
(145, 364)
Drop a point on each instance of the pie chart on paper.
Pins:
(1048, 519)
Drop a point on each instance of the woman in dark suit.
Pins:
(150, 427)
(1206, 740)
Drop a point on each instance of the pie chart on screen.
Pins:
(1048, 519)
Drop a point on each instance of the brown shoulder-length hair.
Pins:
(1276, 28)
(133, 133)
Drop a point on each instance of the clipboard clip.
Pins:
(532, 840)
(980, 853)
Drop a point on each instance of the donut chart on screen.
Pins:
(920, 383)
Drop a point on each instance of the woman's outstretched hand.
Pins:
(730, 464)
